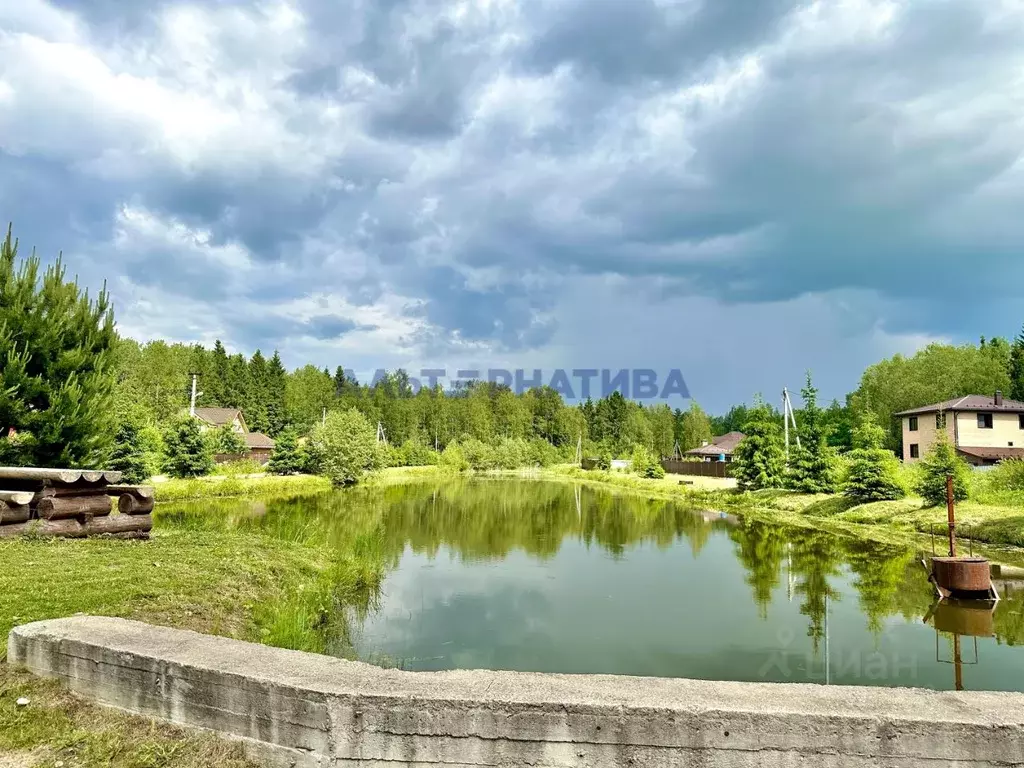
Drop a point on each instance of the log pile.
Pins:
(72, 503)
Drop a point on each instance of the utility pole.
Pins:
(787, 417)
(192, 402)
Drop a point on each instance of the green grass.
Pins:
(236, 583)
(57, 728)
(219, 486)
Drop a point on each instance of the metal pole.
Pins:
(192, 405)
(785, 420)
(952, 516)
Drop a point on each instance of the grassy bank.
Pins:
(222, 486)
(236, 583)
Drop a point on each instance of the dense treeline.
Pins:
(154, 383)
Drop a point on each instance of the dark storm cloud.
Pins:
(746, 151)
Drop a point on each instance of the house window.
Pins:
(1020, 417)
(940, 421)
(984, 421)
(915, 451)
(913, 424)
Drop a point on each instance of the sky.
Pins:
(739, 190)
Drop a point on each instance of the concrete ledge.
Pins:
(306, 710)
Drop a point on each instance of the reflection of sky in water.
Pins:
(654, 611)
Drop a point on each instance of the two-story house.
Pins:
(984, 430)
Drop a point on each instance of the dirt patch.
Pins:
(22, 759)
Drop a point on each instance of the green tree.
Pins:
(759, 460)
(56, 366)
(940, 463)
(343, 448)
(1017, 367)
(275, 400)
(129, 455)
(937, 373)
(873, 473)
(286, 458)
(224, 440)
(812, 468)
(694, 428)
(188, 452)
(662, 424)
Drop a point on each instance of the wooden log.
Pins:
(68, 529)
(119, 524)
(65, 476)
(9, 514)
(62, 508)
(140, 492)
(127, 504)
(16, 498)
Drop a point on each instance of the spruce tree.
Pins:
(256, 407)
(812, 467)
(276, 383)
(129, 454)
(873, 471)
(188, 453)
(286, 458)
(56, 366)
(760, 460)
(940, 463)
(1017, 368)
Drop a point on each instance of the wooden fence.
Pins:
(698, 468)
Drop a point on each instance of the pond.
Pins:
(554, 577)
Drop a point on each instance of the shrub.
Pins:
(1007, 476)
(188, 452)
(224, 440)
(238, 467)
(604, 461)
(513, 453)
(542, 453)
(479, 455)
(940, 463)
(416, 454)
(343, 447)
(454, 458)
(645, 464)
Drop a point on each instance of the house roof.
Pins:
(722, 444)
(258, 440)
(218, 416)
(997, 454)
(968, 403)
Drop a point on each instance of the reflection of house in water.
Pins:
(713, 515)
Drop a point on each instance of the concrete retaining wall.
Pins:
(307, 710)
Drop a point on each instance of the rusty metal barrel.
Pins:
(962, 574)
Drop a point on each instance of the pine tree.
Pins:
(812, 468)
(56, 366)
(759, 460)
(216, 385)
(873, 471)
(1017, 368)
(276, 385)
(940, 463)
(286, 458)
(188, 453)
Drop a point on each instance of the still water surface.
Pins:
(549, 577)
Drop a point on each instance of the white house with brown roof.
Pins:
(720, 448)
(984, 430)
(260, 446)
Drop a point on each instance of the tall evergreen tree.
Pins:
(812, 468)
(56, 366)
(188, 452)
(216, 385)
(942, 462)
(286, 458)
(759, 460)
(873, 473)
(1017, 368)
(256, 408)
(276, 388)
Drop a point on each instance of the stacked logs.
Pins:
(72, 503)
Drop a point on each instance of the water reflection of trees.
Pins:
(478, 520)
